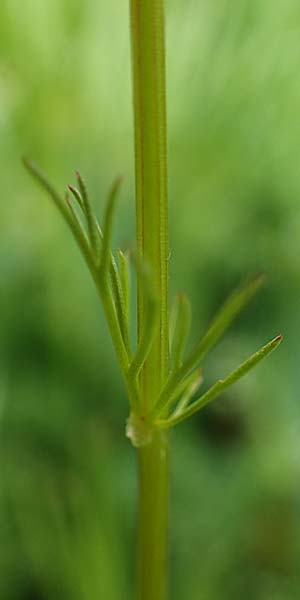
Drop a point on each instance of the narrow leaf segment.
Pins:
(151, 317)
(220, 386)
(232, 307)
(181, 323)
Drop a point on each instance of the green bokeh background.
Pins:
(67, 473)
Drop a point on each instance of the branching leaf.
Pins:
(107, 281)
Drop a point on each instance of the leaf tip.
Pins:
(257, 280)
(27, 162)
(181, 295)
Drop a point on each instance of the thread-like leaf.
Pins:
(77, 196)
(232, 307)
(150, 320)
(76, 221)
(190, 391)
(125, 280)
(42, 179)
(119, 301)
(173, 315)
(181, 327)
(103, 284)
(94, 230)
(63, 206)
(108, 263)
(180, 390)
(220, 386)
(118, 293)
(108, 223)
(90, 217)
(223, 320)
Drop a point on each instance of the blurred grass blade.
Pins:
(90, 217)
(221, 385)
(181, 318)
(150, 320)
(108, 223)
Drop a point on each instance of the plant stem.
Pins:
(149, 98)
(148, 59)
(153, 518)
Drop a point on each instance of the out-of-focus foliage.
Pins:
(67, 493)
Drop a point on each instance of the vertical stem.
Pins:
(148, 60)
(153, 519)
(149, 99)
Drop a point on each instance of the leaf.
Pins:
(108, 291)
(119, 302)
(125, 280)
(76, 195)
(219, 325)
(76, 221)
(150, 317)
(108, 223)
(64, 206)
(190, 391)
(42, 179)
(180, 390)
(90, 217)
(229, 311)
(220, 386)
(181, 317)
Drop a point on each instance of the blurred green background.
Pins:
(67, 473)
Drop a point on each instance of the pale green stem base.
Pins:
(153, 518)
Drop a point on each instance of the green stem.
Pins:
(153, 518)
(148, 60)
(149, 98)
